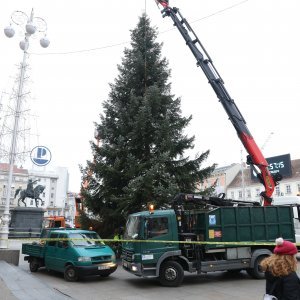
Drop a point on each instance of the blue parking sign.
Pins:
(40, 155)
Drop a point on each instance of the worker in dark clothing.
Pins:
(118, 235)
(280, 268)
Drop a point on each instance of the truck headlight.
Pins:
(84, 258)
(134, 268)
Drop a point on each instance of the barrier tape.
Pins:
(246, 243)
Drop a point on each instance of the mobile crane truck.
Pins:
(203, 234)
(216, 234)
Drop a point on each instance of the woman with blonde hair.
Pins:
(280, 269)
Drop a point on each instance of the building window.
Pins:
(232, 195)
(277, 190)
(240, 194)
(248, 192)
(31, 202)
(288, 190)
(298, 186)
(257, 192)
(52, 195)
(51, 203)
(44, 195)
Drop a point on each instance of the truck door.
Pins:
(62, 252)
(50, 253)
(158, 229)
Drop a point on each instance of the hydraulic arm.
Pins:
(255, 157)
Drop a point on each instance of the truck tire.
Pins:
(33, 265)
(256, 272)
(171, 274)
(70, 273)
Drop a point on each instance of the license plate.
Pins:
(103, 267)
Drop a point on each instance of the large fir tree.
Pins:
(141, 156)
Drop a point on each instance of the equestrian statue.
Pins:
(30, 192)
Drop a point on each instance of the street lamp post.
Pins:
(33, 25)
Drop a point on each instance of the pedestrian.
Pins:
(280, 268)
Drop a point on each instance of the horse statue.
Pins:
(36, 195)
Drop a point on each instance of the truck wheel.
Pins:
(33, 265)
(70, 274)
(171, 274)
(256, 272)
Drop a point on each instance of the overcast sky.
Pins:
(253, 43)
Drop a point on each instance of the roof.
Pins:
(223, 169)
(4, 167)
(67, 229)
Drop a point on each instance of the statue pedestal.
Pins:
(26, 222)
(10, 256)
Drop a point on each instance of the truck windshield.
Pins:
(86, 239)
(132, 228)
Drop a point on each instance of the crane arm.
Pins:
(204, 61)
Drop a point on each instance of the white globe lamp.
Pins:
(30, 28)
(24, 45)
(9, 31)
(44, 42)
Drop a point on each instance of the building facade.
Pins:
(221, 178)
(55, 199)
(243, 187)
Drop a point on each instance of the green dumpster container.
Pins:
(244, 224)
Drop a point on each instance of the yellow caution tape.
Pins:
(245, 243)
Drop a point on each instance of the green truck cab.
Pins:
(75, 253)
(164, 243)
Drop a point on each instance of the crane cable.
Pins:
(123, 43)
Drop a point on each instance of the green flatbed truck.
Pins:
(201, 235)
(75, 253)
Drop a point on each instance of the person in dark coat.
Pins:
(280, 268)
